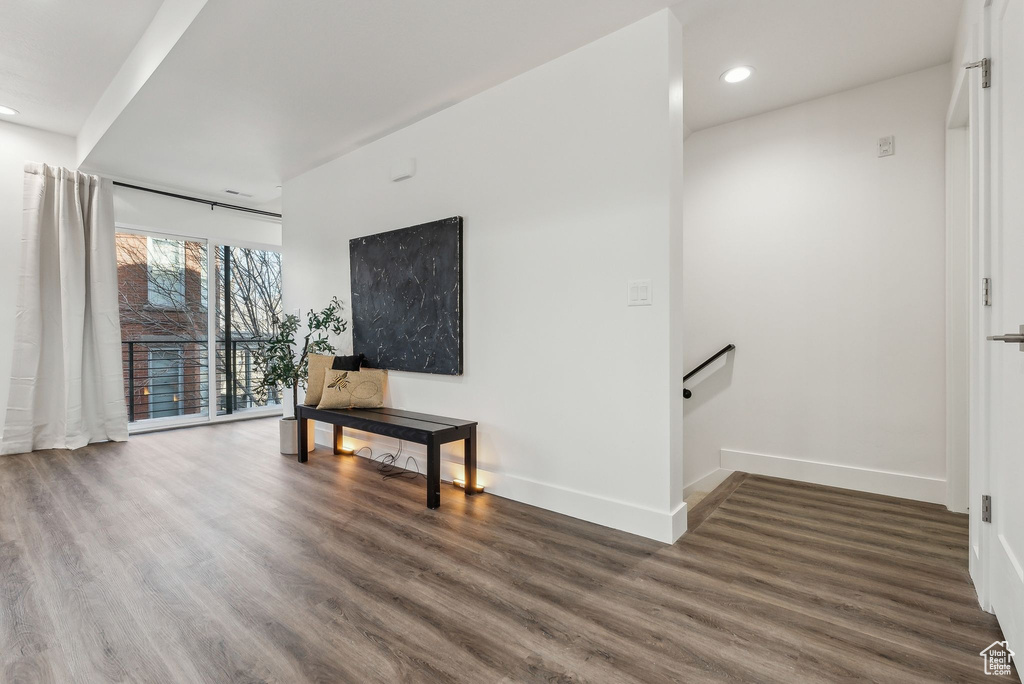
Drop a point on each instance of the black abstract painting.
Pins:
(407, 298)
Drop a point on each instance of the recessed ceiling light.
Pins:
(737, 74)
(8, 111)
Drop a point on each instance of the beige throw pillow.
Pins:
(318, 365)
(353, 389)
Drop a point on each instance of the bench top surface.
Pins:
(390, 416)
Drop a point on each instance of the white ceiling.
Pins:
(258, 91)
(803, 49)
(57, 56)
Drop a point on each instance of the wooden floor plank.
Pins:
(202, 555)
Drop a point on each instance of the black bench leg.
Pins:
(303, 438)
(339, 437)
(470, 474)
(433, 474)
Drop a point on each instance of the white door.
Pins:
(1003, 541)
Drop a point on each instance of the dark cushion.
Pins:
(347, 363)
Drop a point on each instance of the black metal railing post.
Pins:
(248, 375)
(229, 361)
(131, 382)
(234, 374)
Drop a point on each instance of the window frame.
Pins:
(211, 416)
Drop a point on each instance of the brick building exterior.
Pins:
(163, 305)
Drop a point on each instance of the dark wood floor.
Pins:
(203, 555)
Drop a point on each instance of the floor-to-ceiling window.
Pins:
(168, 319)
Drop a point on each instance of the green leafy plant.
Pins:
(281, 366)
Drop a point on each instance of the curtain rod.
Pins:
(198, 199)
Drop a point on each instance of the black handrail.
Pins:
(724, 350)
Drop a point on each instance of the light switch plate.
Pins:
(639, 293)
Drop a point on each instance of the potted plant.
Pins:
(283, 368)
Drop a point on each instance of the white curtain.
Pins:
(66, 380)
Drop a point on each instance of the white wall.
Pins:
(824, 264)
(18, 144)
(564, 176)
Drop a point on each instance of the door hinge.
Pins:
(986, 508)
(986, 291)
(986, 71)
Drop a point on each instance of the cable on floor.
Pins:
(387, 463)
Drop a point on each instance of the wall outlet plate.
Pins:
(887, 146)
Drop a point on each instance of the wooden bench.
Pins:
(420, 428)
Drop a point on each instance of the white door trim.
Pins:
(958, 293)
(979, 211)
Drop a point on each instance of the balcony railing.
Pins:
(240, 372)
(165, 378)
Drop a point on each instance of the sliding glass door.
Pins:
(168, 318)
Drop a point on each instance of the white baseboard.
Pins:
(661, 526)
(620, 515)
(707, 483)
(679, 522)
(848, 477)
